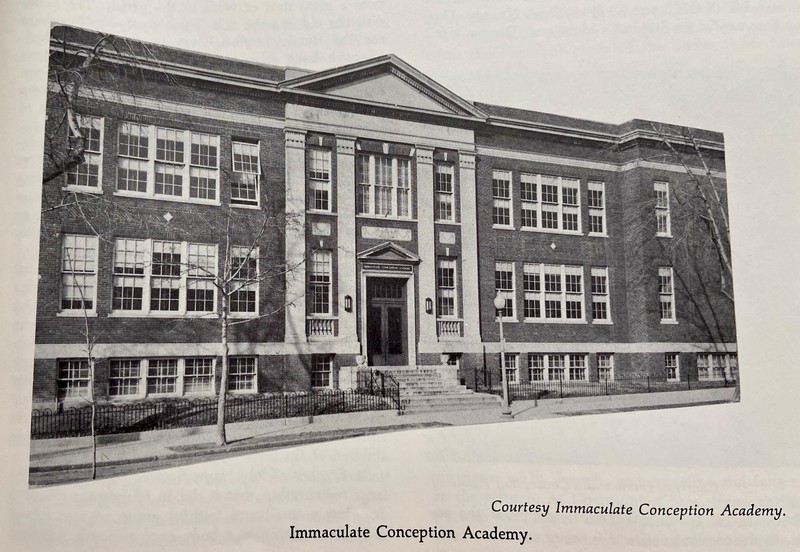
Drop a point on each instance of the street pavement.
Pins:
(56, 461)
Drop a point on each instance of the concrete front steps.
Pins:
(430, 390)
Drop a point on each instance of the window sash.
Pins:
(78, 289)
(662, 209)
(502, 204)
(152, 162)
(446, 303)
(504, 287)
(550, 203)
(87, 174)
(320, 282)
(384, 186)
(553, 293)
(666, 294)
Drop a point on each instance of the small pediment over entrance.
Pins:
(388, 252)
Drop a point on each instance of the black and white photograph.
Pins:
(354, 275)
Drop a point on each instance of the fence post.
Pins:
(560, 388)
(475, 374)
(606, 385)
(383, 386)
(688, 382)
(648, 384)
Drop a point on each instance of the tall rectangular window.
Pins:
(242, 374)
(244, 281)
(153, 162)
(501, 193)
(384, 186)
(597, 208)
(321, 370)
(202, 269)
(663, 222)
(79, 274)
(511, 367)
(601, 311)
(504, 287)
(577, 367)
(124, 377)
(246, 173)
(532, 286)
(605, 366)
(129, 274)
(536, 367)
(672, 367)
(530, 200)
(73, 379)
(319, 179)
(444, 193)
(666, 294)
(556, 367)
(319, 282)
(446, 288)
(87, 174)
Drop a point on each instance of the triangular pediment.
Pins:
(388, 252)
(386, 80)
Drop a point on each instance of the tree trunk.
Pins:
(223, 383)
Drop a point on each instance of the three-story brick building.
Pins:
(377, 214)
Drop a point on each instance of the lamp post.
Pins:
(499, 305)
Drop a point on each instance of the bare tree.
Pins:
(699, 232)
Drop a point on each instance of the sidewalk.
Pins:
(49, 455)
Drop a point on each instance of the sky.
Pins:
(728, 66)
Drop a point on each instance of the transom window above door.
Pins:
(384, 186)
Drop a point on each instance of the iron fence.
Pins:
(486, 381)
(181, 413)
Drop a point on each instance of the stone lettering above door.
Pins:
(380, 233)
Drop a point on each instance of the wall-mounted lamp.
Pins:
(429, 305)
(348, 303)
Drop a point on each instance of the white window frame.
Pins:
(70, 274)
(319, 178)
(672, 362)
(502, 202)
(445, 190)
(666, 294)
(536, 365)
(662, 209)
(188, 274)
(245, 179)
(235, 374)
(605, 363)
(558, 363)
(511, 366)
(248, 283)
(597, 209)
(537, 271)
(185, 168)
(78, 376)
(320, 275)
(93, 157)
(126, 376)
(728, 364)
(449, 291)
(533, 201)
(399, 189)
(509, 294)
(316, 362)
(601, 294)
(181, 378)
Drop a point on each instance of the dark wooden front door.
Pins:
(387, 334)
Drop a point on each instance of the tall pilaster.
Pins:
(295, 141)
(346, 234)
(427, 242)
(469, 247)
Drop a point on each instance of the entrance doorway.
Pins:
(387, 322)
